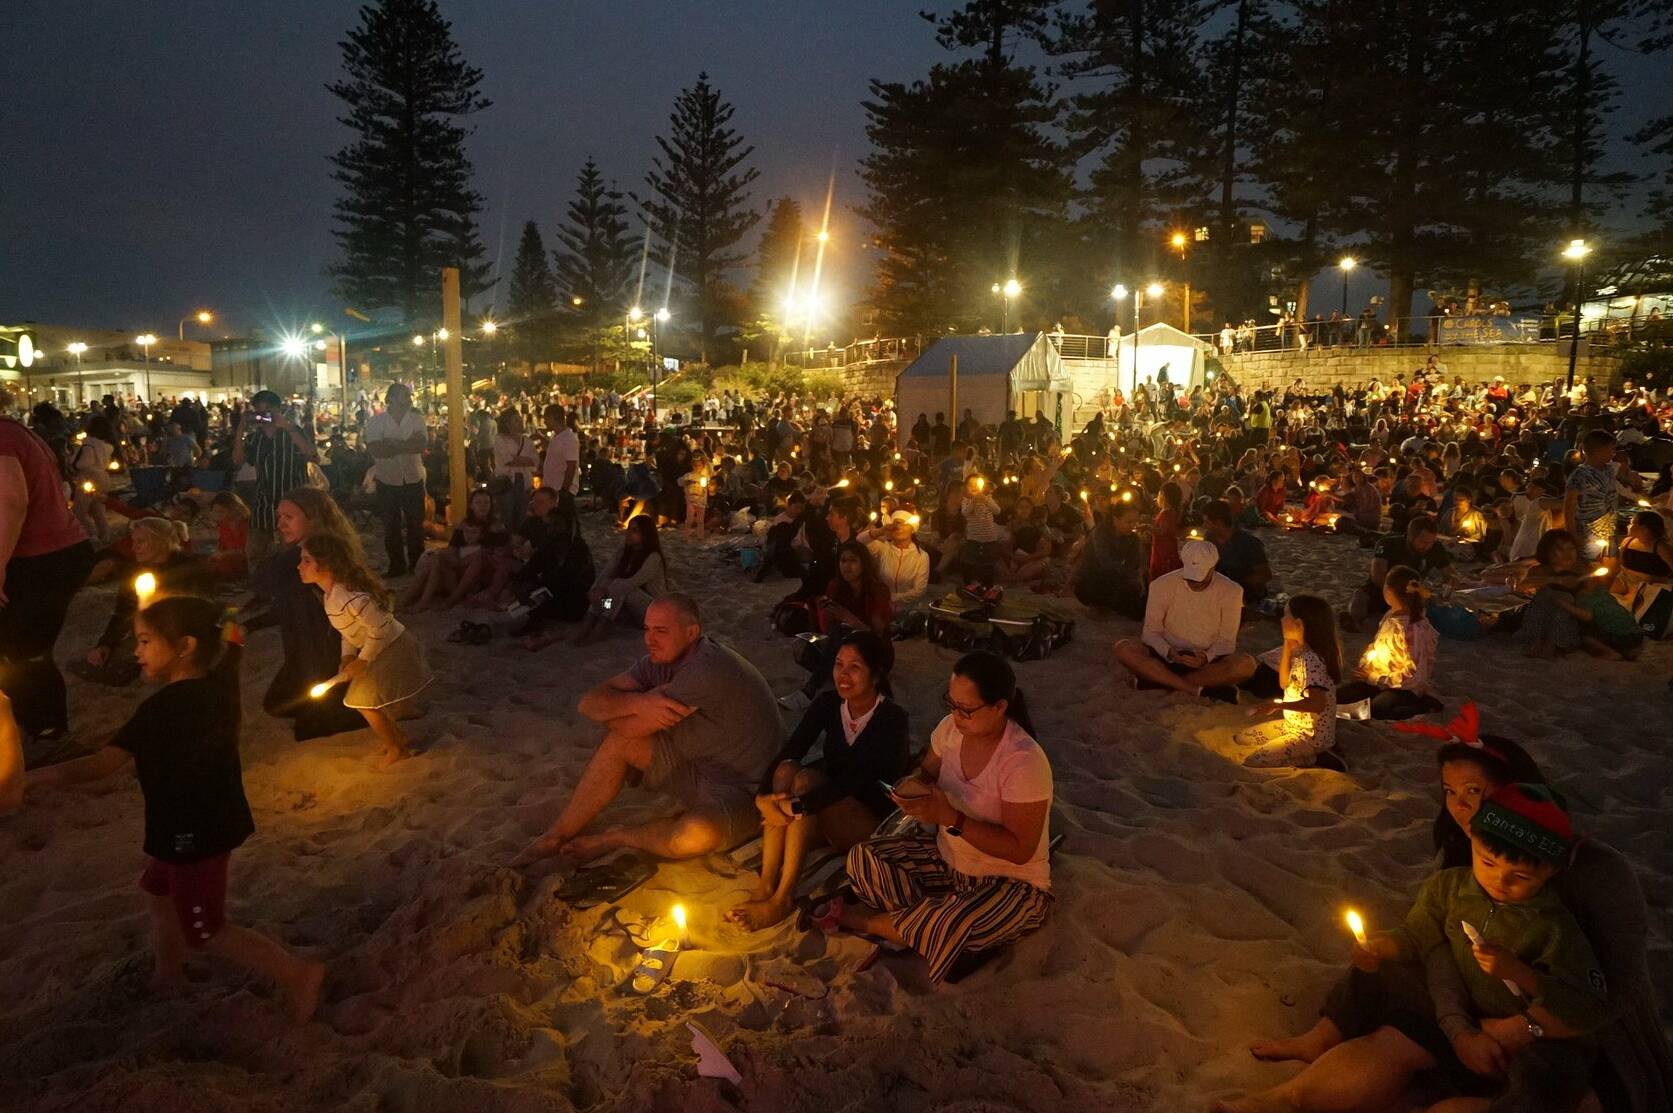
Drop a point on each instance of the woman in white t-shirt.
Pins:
(983, 879)
(1308, 666)
(515, 460)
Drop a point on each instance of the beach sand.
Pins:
(1199, 905)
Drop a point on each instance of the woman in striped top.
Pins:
(382, 662)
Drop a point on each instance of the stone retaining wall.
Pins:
(1326, 367)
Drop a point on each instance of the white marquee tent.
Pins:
(1161, 346)
(1020, 371)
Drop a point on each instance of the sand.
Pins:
(1198, 903)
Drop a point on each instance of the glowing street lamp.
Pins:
(202, 317)
(635, 313)
(489, 328)
(442, 334)
(662, 315)
(1576, 253)
(1010, 289)
(1347, 263)
(1154, 290)
(418, 341)
(145, 340)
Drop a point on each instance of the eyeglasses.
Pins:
(957, 709)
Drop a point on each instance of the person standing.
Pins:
(396, 439)
(280, 454)
(560, 469)
(44, 559)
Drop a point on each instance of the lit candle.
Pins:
(1126, 496)
(1602, 571)
(319, 690)
(980, 483)
(842, 483)
(1357, 926)
(115, 465)
(145, 586)
(888, 484)
(87, 485)
(702, 481)
(914, 519)
(679, 921)
(1084, 495)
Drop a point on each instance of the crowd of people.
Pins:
(1487, 511)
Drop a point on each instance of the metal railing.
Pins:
(860, 353)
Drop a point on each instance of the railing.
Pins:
(861, 353)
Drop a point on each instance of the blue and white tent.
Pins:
(1020, 371)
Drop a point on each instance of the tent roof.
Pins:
(1159, 333)
(977, 355)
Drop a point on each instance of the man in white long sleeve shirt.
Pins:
(900, 563)
(1189, 641)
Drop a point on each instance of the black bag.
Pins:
(1654, 610)
(792, 616)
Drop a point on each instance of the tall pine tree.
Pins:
(778, 274)
(964, 182)
(407, 208)
(698, 200)
(533, 298)
(596, 256)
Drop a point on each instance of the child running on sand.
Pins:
(183, 745)
(383, 663)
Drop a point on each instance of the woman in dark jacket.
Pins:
(840, 797)
(313, 649)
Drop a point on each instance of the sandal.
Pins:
(462, 635)
(655, 964)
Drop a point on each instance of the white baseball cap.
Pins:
(1199, 559)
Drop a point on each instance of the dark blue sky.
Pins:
(168, 154)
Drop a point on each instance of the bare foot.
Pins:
(1301, 1049)
(388, 756)
(584, 848)
(543, 847)
(757, 915)
(304, 995)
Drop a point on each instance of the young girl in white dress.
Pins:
(1309, 667)
(383, 662)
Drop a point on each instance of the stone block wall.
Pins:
(1326, 367)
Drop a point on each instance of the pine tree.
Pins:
(778, 276)
(595, 260)
(964, 182)
(1133, 64)
(533, 298)
(408, 208)
(698, 200)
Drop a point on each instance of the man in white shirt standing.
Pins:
(396, 439)
(560, 470)
(1189, 641)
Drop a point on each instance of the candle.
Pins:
(702, 481)
(318, 690)
(679, 921)
(1602, 571)
(888, 484)
(1084, 494)
(1126, 496)
(145, 586)
(115, 466)
(842, 483)
(914, 519)
(87, 485)
(1357, 926)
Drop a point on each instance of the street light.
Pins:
(1010, 290)
(635, 313)
(442, 335)
(1347, 263)
(1178, 241)
(202, 317)
(489, 328)
(1576, 253)
(145, 340)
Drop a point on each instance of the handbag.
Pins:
(1654, 610)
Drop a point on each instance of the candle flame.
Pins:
(888, 484)
(980, 483)
(114, 466)
(1084, 495)
(1357, 926)
(1602, 571)
(679, 917)
(87, 485)
(145, 586)
(318, 690)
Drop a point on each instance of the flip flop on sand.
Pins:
(654, 967)
(608, 882)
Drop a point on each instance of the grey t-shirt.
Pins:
(734, 730)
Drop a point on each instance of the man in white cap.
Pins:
(1189, 642)
(900, 562)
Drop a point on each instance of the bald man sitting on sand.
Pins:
(692, 720)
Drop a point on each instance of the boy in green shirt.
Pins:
(1535, 986)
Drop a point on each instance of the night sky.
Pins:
(171, 154)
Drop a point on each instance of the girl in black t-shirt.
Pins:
(183, 743)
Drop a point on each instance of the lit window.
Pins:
(1257, 232)
(1201, 234)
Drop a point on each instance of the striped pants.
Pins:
(940, 912)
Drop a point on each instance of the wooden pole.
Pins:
(455, 396)
(952, 390)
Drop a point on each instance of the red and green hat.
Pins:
(1530, 817)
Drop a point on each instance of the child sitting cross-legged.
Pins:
(1534, 990)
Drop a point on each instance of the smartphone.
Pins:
(608, 603)
(910, 787)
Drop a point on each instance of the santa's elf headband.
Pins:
(1465, 730)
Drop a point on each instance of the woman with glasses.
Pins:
(982, 879)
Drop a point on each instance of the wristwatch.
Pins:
(956, 827)
(1534, 1029)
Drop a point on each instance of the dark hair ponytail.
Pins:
(220, 646)
(995, 680)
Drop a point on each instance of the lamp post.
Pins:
(1576, 253)
(202, 317)
(1178, 241)
(661, 319)
(75, 349)
(1346, 263)
(145, 340)
(1009, 290)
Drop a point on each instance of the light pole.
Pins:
(75, 349)
(1010, 289)
(1576, 253)
(418, 342)
(145, 340)
(661, 319)
(1178, 242)
(202, 317)
(1347, 263)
